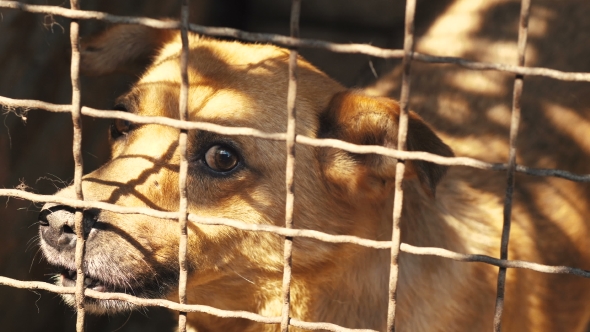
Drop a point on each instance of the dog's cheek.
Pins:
(162, 189)
(154, 236)
(139, 241)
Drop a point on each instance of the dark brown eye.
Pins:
(120, 127)
(221, 159)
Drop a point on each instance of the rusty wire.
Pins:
(78, 168)
(302, 139)
(286, 41)
(183, 167)
(291, 138)
(312, 234)
(176, 306)
(400, 166)
(514, 124)
(290, 168)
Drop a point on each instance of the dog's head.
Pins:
(237, 177)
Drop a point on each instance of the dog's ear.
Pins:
(360, 119)
(122, 47)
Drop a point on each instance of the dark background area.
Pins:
(35, 147)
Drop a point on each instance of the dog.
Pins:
(337, 192)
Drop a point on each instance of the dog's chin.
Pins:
(101, 307)
(67, 278)
(102, 274)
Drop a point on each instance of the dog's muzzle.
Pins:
(56, 225)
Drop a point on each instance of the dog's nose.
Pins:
(57, 225)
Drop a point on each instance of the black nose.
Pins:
(57, 225)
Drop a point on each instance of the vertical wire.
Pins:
(400, 167)
(290, 169)
(182, 173)
(514, 123)
(78, 168)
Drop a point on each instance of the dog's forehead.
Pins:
(224, 63)
(232, 81)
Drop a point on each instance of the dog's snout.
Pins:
(57, 225)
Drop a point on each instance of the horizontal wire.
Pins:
(27, 105)
(39, 285)
(305, 233)
(291, 42)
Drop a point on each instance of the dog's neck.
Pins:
(426, 222)
(444, 222)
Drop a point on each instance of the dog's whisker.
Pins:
(33, 259)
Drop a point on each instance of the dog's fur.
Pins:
(336, 192)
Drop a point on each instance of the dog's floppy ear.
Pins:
(121, 48)
(356, 118)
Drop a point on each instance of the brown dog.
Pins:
(337, 192)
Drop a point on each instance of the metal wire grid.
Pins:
(182, 215)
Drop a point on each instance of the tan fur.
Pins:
(471, 112)
(336, 192)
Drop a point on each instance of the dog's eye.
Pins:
(120, 127)
(221, 158)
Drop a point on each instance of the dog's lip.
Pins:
(68, 279)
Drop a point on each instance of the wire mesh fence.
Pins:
(289, 231)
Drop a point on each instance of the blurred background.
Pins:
(36, 152)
